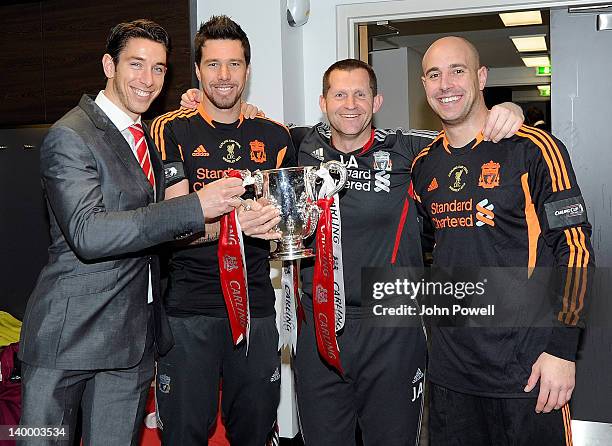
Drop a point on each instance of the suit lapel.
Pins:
(117, 143)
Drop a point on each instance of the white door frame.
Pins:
(351, 15)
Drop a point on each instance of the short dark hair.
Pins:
(350, 65)
(141, 28)
(220, 27)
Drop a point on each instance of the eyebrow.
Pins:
(142, 59)
(453, 65)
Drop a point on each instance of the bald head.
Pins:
(454, 80)
(452, 45)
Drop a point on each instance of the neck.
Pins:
(350, 143)
(459, 134)
(222, 115)
(109, 93)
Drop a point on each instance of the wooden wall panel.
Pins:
(21, 59)
(66, 58)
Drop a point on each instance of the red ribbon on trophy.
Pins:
(323, 289)
(232, 270)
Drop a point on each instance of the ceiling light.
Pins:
(526, 44)
(521, 18)
(536, 61)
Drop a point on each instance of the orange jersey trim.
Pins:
(157, 128)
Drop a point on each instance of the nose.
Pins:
(445, 81)
(350, 101)
(146, 77)
(224, 72)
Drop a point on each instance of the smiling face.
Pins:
(138, 76)
(453, 80)
(223, 72)
(349, 105)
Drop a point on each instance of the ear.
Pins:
(248, 71)
(482, 77)
(377, 103)
(423, 80)
(197, 70)
(323, 104)
(108, 65)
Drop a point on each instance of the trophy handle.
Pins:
(340, 169)
(313, 211)
(258, 183)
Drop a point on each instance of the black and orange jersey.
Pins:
(511, 204)
(378, 216)
(196, 148)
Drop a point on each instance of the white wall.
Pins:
(580, 98)
(272, 65)
(391, 68)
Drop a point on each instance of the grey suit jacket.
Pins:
(89, 307)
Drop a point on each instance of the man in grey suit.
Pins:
(95, 317)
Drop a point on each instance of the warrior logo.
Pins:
(456, 175)
(382, 161)
(231, 147)
(163, 383)
(230, 263)
(489, 175)
(321, 295)
(258, 151)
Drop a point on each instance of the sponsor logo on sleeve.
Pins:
(565, 213)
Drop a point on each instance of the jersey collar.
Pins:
(210, 121)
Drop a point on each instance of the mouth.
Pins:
(449, 99)
(142, 93)
(350, 115)
(224, 88)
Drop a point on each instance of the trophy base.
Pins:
(292, 254)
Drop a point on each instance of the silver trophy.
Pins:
(293, 191)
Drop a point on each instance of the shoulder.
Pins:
(270, 125)
(172, 118)
(398, 132)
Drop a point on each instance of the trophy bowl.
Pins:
(293, 191)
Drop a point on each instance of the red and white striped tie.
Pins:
(142, 153)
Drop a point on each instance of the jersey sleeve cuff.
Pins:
(563, 343)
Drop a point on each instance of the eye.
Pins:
(339, 95)
(213, 64)
(459, 70)
(136, 65)
(361, 94)
(160, 69)
(433, 75)
(235, 64)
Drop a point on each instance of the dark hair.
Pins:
(220, 27)
(141, 28)
(350, 65)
